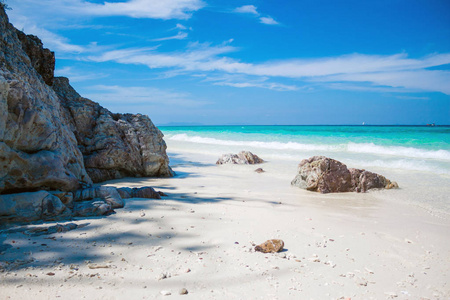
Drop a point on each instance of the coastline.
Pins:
(359, 246)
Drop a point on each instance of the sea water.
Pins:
(418, 157)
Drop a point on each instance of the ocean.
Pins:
(417, 157)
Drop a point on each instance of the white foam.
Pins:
(365, 148)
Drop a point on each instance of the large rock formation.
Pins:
(113, 145)
(54, 140)
(37, 149)
(326, 175)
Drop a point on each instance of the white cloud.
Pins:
(243, 81)
(247, 9)
(179, 36)
(77, 76)
(251, 9)
(268, 21)
(412, 98)
(106, 95)
(154, 9)
(390, 70)
(181, 27)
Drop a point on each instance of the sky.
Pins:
(266, 62)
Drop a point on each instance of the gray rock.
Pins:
(242, 158)
(42, 59)
(109, 194)
(326, 175)
(113, 145)
(37, 149)
(91, 208)
(54, 140)
(29, 207)
(144, 192)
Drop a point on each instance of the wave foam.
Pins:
(365, 148)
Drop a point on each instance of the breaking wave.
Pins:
(364, 148)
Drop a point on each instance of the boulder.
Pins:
(29, 207)
(92, 208)
(144, 192)
(113, 145)
(109, 194)
(270, 246)
(326, 175)
(242, 158)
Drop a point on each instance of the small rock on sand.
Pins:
(259, 170)
(183, 291)
(165, 293)
(270, 246)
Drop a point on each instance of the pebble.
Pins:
(165, 293)
(50, 274)
(183, 291)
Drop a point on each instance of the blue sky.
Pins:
(252, 62)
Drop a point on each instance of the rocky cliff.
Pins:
(113, 145)
(53, 139)
(37, 149)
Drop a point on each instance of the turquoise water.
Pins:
(417, 148)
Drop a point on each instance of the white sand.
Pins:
(358, 246)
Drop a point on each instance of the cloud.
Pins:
(242, 81)
(412, 98)
(247, 9)
(397, 70)
(251, 9)
(77, 76)
(179, 36)
(153, 9)
(268, 21)
(106, 94)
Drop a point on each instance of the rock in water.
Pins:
(242, 158)
(270, 246)
(326, 175)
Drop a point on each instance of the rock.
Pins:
(42, 59)
(91, 208)
(109, 194)
(65, 197)
(113, 145)
(28, 207)
(144, 192)
(242, 158)
(259, 170)
(37, 231)
(165, 293)
(270, 246)
(37, 150)
(52, 139)
(326, 175)
(183, 291)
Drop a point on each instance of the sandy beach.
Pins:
(201, 238)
